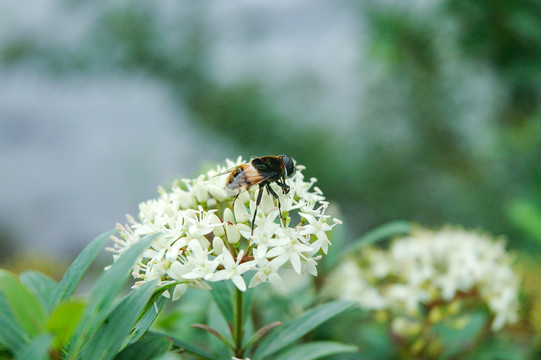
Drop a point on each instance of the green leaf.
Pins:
(500, 348)
(222, 294)
(78, 268)
(296, 328)
(37, 349)
(209, 329)
(316, 350)
(11, 332)
(260, 333)
(41, 285)
(24, 305)
(114, 331)
(147, 348)
(189, 348)
(157, 295)
(378, 234)
(149, 315)
(64, 320)
(104, 293)
(247, 303)
(218, 322)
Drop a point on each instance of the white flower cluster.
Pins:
(206, 236)
(431, 268)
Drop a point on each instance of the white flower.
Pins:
(429, 268)
(205, 236)
(288, 247)
(267, 271)
(233, 270)
(202, 267)
(319, 228)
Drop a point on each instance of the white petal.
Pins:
(217, 245)
(277, 281)
(239, 282)
(241, 213)
(233, 235)
(295, 261)
(180, 290)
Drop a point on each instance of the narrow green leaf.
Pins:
(187, 347)
(149, 315)
(11, 332)
(37, 349)
(114, 331)
(316, 350)
(24, 305)
(78, 268)
(296, 328)
(224, 339)
(222, 293)
(157, 295)
(247, 303)
(104, 293)
(64, 320)
(378, 234)
(147, 348)
(217, 321)
(260, 333)
(41, 285)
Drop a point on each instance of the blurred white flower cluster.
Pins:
(205, 236)
(428, 270)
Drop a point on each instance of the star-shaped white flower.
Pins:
(233, 270)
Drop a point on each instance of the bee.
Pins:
(261, 171)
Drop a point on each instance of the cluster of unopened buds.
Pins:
(204, 234)
(432, 273)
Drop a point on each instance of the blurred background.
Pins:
(425, 111)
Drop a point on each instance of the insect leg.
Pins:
(259, 195)
(284, 186)
(235, 199)
(269, 189)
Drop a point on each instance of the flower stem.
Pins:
(239, 322)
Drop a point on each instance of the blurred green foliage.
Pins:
(429, 144)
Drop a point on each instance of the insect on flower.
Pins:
(261, 171)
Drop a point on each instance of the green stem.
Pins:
(238, 326)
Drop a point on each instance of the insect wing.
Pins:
(244, 177)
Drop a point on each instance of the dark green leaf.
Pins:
(149, 315)
(224, 339)
(147, 348)
(215, 320)
(316, 350)
(189, 348)
(157, 295)
(247, 303)
(41, 285)
(296, 328)
(260, 333)
(222, 294)
(114, 331)
(104, 293)
(78, 268)
(22, 303)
